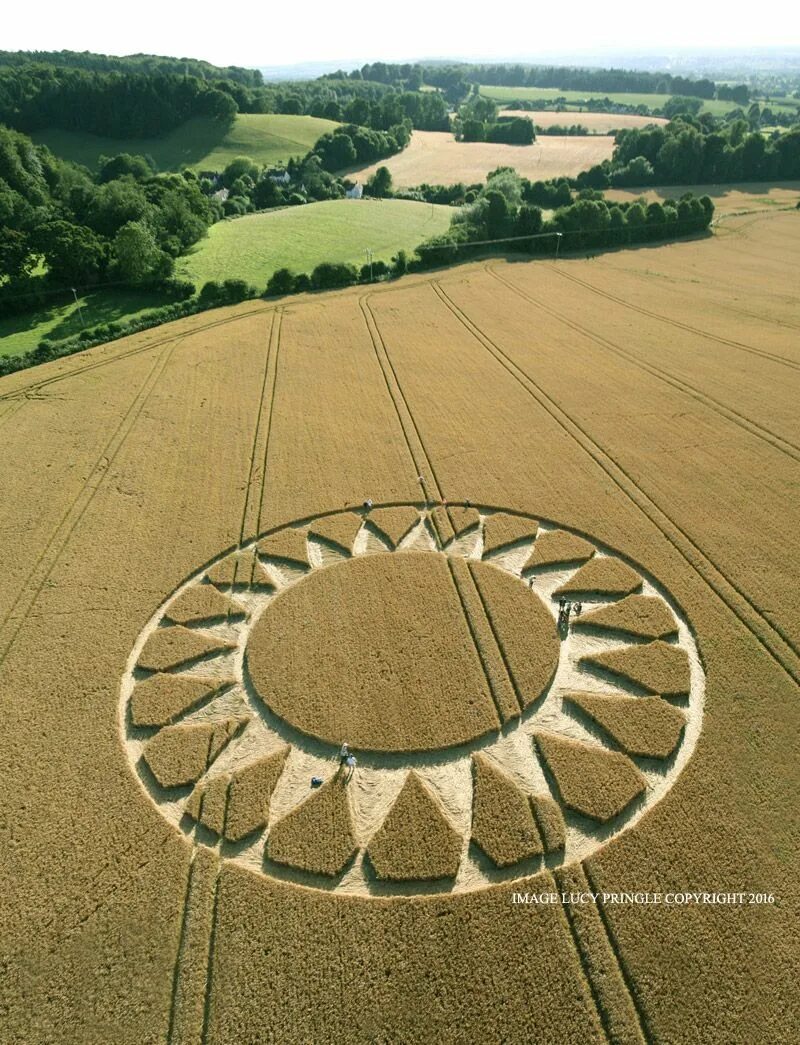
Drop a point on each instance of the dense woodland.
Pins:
(134, 63)
(134, 105)
(689, 151)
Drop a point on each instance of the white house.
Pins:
(280, 177)
(355, 193)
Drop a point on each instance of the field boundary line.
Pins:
(421, 460)
(674, 322)
(21, 392)
(773, 643)
(83, 499)
(760, 431)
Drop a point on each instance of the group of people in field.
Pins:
(564, 610)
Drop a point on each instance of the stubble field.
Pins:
(621, 427)
(597, 122)
(437, 158)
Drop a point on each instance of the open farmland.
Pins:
(254, 246)
(578, 99)
(630, 418)
(200, 143)
(596, 122)
(437, 158)
(741, 198)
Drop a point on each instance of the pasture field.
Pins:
(249, 248)
(200, 143)
(64, 317)
(596, 122)
(436, 157)
(578, 98)
(184, 857)
(254, 246)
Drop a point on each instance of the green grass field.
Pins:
(250, 248)
(200, 143)
(61, 319)
(253, 247)
(574, 98)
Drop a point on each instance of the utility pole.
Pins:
(369, 260)
(80, 313)
(558, 243)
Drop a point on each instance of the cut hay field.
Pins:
(200, 143)
(196, 600)
(253, 247)
(596, 122)
(740, 198)
(437, 158)
(579, 98)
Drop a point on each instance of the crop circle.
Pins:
(515, 693)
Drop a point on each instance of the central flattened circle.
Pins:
(402, 652)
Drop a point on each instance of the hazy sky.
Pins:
(290, 31)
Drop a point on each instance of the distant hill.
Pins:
(134, 63)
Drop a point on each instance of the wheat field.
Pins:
(166, 494)
(437, 158)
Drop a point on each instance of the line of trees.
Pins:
(689, 151)
(565, 78)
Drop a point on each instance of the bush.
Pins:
(302, 283)
(178, 289)
(282, 281)
(328, 275)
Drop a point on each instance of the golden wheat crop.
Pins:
(591, 780)
(656, 667)
(502, 820)
(318, 835)
(645, 399)
(639, 615)
(557, 546)
(415, 840)
(640, 725)
(362, 631)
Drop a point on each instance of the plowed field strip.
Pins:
(250, 526)
(137, 350)
(768, 634)
(774, 440)
(54, 547)
(419, 456)
(188, 1016)
(673, 322)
